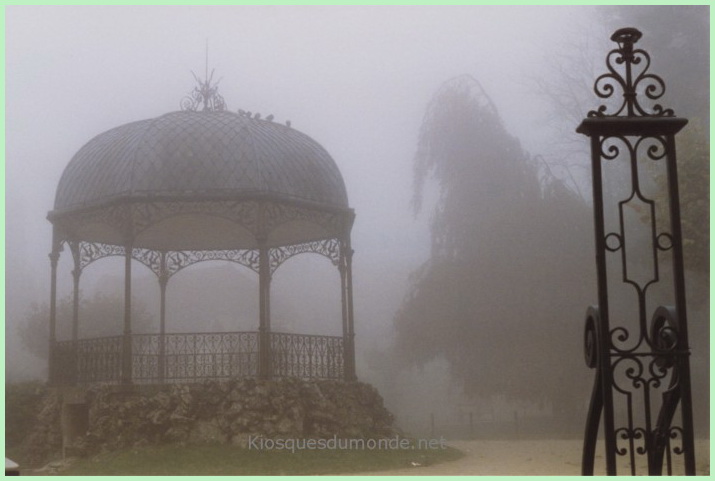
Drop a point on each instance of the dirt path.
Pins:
(526, 458)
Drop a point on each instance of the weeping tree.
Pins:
(502, 296)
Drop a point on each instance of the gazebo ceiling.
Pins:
(212, 174)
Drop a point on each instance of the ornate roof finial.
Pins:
(628, 69)
(204, 94)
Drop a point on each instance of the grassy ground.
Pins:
(205, 460)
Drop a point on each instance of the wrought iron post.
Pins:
(52, 363)
(642, 369)
(163, 281)
(349, 343)
(342, 268)
(127, 336)
(76, 274)
(265, 358)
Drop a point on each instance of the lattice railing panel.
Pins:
(95, 360)
(211, 355)
(307, 356)
(196, 356)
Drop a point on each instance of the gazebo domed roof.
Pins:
(200, 154)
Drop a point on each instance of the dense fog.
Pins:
(494, 334)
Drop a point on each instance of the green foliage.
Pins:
(693, 147)
(502, 296)
(226, 460)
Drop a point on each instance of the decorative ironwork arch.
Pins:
(90, 252)
(328, 248)
(179, 260)
(175, 261)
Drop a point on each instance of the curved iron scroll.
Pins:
(642, 371)
(592, 346)
(664, 333)
(623, 72)
(205, 96)
(329, 248)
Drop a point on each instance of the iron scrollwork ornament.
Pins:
(92, 251)
(329, 248)
(628, 70)
(205, 96)
(180, 259)
(642, 369)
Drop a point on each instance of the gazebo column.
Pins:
(344, 304)
(127, 337)
(76, 274)
(346, 281)
(163, 281)
(52, 363)
(265, 356)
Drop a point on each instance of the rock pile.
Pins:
(219, 411)
(44, 441)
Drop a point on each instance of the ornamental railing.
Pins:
(196, 356)
(297, 355)
(89, 360)
(192, 357)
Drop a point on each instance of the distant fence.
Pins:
(515, 426)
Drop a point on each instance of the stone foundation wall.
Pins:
(44, 440)
(213, 411)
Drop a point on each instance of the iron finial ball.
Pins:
(628, 34)
(626, 38)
